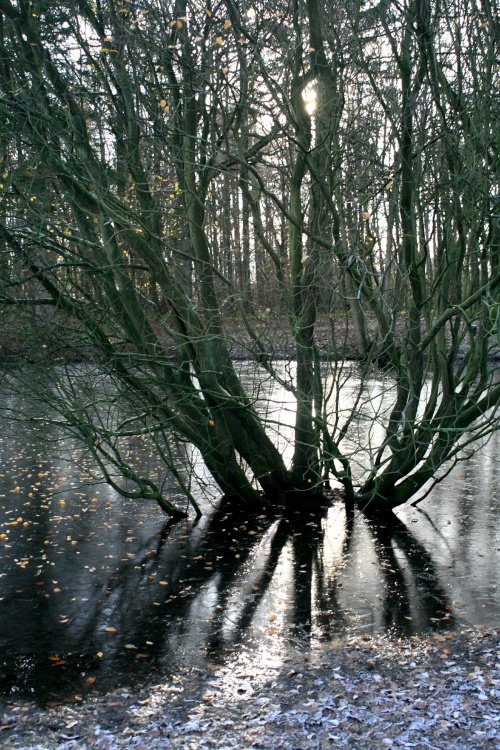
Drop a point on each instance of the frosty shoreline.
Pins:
(437, 692)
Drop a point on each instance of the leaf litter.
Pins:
(440, 692)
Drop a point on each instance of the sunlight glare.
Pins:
(310, 98)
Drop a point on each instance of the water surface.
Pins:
(97, 591)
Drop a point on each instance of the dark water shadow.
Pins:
(414, 600)
(189, 595)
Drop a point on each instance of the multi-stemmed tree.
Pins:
(161, 158)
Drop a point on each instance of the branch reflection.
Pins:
(189, 595)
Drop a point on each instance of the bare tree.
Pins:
(358, 151)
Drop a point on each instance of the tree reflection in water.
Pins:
(189, 595)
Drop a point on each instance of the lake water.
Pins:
(97, 591)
